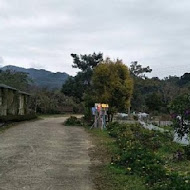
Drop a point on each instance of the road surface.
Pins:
(44, 155)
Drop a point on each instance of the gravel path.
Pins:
(44, 155)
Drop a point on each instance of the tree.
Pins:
(142, 86)
(86, 62)
(81, 83)
(113, 85)
(180, 112)
(45, 101)
(75, 87)
(139, 71)
(154, 102)
(14, 79)
(184, 80)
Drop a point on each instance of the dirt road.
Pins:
(44, 155)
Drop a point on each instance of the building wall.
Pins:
(12, 102)
(3, 106)
(21, 105)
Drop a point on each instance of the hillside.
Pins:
(41, 78)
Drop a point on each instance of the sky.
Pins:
(43, 33)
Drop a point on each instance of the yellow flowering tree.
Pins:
(112, 84)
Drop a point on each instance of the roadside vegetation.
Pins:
(125, 156)
(17, 118)
(104, 173)
(73, 121)
(136, 158)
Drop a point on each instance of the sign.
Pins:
(105, 106)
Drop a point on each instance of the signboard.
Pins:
(105, 106)
(100, 113)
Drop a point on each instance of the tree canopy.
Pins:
(112, 84)
(78, 85)
(180, 110)
(139, 71)
(17, 80)
(86, 62)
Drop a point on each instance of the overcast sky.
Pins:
(43, 33)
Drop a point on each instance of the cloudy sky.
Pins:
(43, 33)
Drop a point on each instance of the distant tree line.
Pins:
(107, 81)
(43, 101)
(154, 95)
(121, 87)
(100, 81)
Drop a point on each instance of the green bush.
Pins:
(135, 117)
(17, 118)
(73, 121)
(137, 147)
(187, 152)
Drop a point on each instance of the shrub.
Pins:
(187, 152)
(137, 155)
(135, 117)
(17, 118)
(180, 109)
(73, 121)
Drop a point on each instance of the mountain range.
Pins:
(40, 77)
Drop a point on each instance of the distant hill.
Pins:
(41, 78)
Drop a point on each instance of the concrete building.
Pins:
(13, 101)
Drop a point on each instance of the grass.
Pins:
(105, 175)
(5, 127)
(167, 152)
(110, 171)
(168, 128)
(113, 178)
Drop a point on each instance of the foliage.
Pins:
(14, 79)
(52, 102)
(139, 71)
(106, 175)
(184, 80)
(112, 84)
(180, 110)
(86, 62)
(40, 77)
(75, 87)
(73, 121)
(187, 152)
(138, 154)
(81, 83)
(17, 118)
(163, 91)
(143, 87)
(154, 102)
